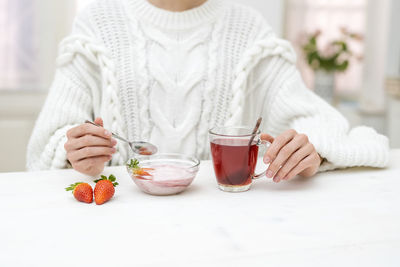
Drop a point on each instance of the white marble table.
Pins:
(341, 218)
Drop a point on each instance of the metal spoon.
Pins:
(138, 147)
(255, 130)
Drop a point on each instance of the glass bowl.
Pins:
(172, 173)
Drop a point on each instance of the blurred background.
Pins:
(348, 51)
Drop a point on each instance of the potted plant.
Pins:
(326, 61)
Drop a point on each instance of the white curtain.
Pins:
(17, 44)
(30, 31)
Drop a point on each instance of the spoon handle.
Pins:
(119, 137)
(113, 134)
(255, 130)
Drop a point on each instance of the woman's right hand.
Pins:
(89, 147)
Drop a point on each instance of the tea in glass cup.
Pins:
(234, 157)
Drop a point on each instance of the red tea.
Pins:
(234, 161)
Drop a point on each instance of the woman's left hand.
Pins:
(290, 154)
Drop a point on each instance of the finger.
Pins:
(91, 166)
(304, 164)
(267, 137)
(277, 144)
(310, 171)
(283, 155)
(91, 151)
(293, 161)
(99, 121)
(95, 160)
(86, 129)
(89, 140)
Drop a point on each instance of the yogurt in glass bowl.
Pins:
(163, 174)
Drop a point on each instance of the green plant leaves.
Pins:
(337, 60)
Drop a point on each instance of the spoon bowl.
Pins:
(138, 147)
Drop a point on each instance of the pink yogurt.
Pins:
(166, 179)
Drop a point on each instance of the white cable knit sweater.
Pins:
(168, 77)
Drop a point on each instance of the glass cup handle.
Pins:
(264, 144)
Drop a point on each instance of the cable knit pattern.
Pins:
(269, 47)
(145, 79)
(97, 55)
(209, 92)
(168, 77)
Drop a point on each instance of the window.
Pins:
(17, 45)
(308, 16)
(30, 31)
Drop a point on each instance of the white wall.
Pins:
(393, 55)
(273, 11)
(18, 112)
(376, 43)
(393, 72)
(53, 23)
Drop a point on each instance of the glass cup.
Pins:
(234, 158)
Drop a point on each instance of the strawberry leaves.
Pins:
(72, 187)
(137, 170)
(134, 164)
(111, 178)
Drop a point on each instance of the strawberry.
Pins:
(137, 171)
(142, 171)
(144, 151)
(104, 189)
(82, 192)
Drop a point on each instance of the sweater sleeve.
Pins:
(68, 104)
(275, 90)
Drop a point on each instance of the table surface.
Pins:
(340, 218)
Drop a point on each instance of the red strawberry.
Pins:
(143, 171)
(82, 192)
(104, 189)
(144, 151)
(137, 171)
